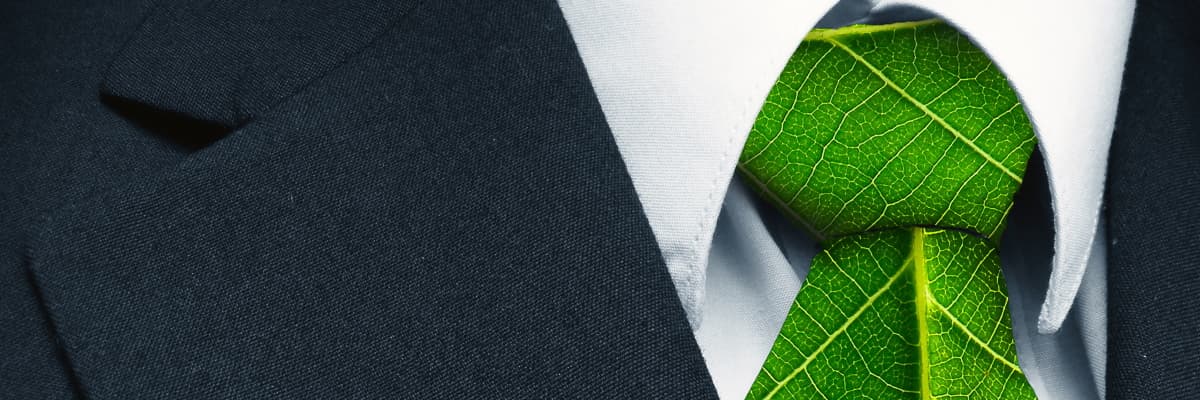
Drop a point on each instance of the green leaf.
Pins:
(873, 127)
(900, 147)
(898, 317)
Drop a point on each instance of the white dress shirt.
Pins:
(681, 82)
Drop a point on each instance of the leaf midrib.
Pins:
(921, 294)
(923, 297)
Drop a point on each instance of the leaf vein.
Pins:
(842, 329)
(954, 321)
(924, 108)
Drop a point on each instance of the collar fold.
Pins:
(681, 82)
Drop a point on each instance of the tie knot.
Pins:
(871, 128)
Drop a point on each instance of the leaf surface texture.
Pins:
(900, 147)
(894, 314)
(873, 127)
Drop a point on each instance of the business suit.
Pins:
(332, 200)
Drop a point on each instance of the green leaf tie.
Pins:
(900, 147)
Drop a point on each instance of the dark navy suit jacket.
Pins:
(416, 199)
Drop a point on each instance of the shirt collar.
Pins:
(680, 83)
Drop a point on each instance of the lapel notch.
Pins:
(226, 62)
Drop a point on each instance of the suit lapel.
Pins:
(429, 208)
(1153, 209)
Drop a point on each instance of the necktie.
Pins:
(900, 148)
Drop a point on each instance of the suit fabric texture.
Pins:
(1153, 210)
(340, 199)
(421, 199)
